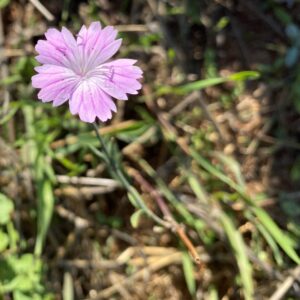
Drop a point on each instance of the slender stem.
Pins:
(103, 147)
(119, 173)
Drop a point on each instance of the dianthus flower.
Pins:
(78, 71)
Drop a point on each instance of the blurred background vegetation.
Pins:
(211, 146)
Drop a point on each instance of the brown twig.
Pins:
(107, 182)
(210, 117)
(155, 266)
(132, 28)
(42, 9)
(80, 223)
(286, 285)
(166, 212)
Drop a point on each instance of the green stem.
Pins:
(119, 173)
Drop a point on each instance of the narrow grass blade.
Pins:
(197, 188)
(271, 242)
(45, 211)
(68, 287)
(283, 240)
(233, 166)
(188, 270)
(135, 218)
(236, 242)
(279, 236)
(202, 84)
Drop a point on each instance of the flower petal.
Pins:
(76, 100)
(81, 103)
(89, 102)
(48, 54)
(113, 90)
(57, 83)
(49, 74)
(108, 51)
(55, 38)
(101, 45)
(120, 78)
(104, 106)
(61, 91)
(124, 67)
(68, 38)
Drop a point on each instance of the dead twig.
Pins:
(166, 212)
(210, 117)
(88, 181)
(79, 222)
(83, 192)
(191, 98)
(286, 285)
(42, 9)
(132, 28)
(174, 258)
(90, 264)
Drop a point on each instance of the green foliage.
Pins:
(68, 289)
(20, 273)
(4, 3)
(201, 84)
(135, 218)
(239, 250)
(188, 270)
(147, 40)
(6, 209)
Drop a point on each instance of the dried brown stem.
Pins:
(166, 212)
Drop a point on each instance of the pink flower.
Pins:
(77, 70)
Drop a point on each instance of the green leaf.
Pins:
(20, 273)
(45, 211)
(213, 293)
(188, 270)
(197, 188)
(134, 132)
(135, 218)
(21, 296)
(202, 84)
(237, 244)
(283, 240)
(233, 166)
(4, 3)
(189, 87)
(9, 115)
(244, 75)
(205, 164)
(68, 287)
(4, 241)
(6, 208)
(271, 242)
(222, 23)
(10, 79)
